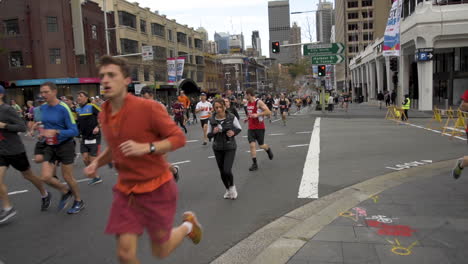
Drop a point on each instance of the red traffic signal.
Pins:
(275, 47)
(322, 70)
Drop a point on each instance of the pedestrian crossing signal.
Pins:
(322, 70)
(275, 47)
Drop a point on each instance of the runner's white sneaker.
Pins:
(233, 192)
(227, 195)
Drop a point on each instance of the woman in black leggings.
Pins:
(223, 127)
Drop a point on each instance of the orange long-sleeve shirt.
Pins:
(184, 100)
(142, 121)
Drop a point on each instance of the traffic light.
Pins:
(322, 70)
(394, 64)
(275, 47)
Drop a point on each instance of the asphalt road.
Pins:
(352, 150)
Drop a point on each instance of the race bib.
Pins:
(90, 142)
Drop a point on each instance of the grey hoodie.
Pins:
(10, 142)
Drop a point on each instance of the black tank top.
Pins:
(283, 102)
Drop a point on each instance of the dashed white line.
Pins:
(258, 150)
(181, 162)
(300, 145)
(276, 120)
(83, 180)
(191, 141)
(304, 132)
(310, 175)
(211, 157)
(18, 192)
(278, 134)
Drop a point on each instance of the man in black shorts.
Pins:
(269, 103)
(90, 131)
(59, 130)
(12, 152)
(284, 109)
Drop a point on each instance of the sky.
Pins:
(233, 16)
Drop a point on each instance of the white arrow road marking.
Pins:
(18, 192)
(310, 175)
(181, 162)
(295, 146)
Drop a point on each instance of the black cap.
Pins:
(203, 94)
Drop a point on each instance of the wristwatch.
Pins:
(152, 148)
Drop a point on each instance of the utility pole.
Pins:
(106, 30)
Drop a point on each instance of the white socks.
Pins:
(189, 227)
(44, 196)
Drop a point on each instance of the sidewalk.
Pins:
(422, 221)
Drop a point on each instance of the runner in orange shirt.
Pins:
(185, 101)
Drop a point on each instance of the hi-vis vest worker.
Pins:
(408, 104)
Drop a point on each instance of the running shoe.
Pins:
(6, 214)
(254, 167)
(270, 153)
(76, 208)
(176, 174)
(95, 181)
(197, 231)
(233, 192)
(227, 195)
(46, 202)
(457, 171)
(64, 200)
(204, 143)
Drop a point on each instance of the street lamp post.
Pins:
(105, 26)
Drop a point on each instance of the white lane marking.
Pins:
(191, 141)
(408, 165)
(211, 157)
(258, 150)
(278, 134)
(83, 180)
(304, 132)
(276, 120)
(18, 192)
(181, 162)
(244, 136)
(436, 131)
(310, 175)
(300, 145)
(456, 129)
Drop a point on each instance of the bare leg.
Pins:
(3, 189)
(265, 147)
(127, 248)
(205, 133)
(177, 236)
(36, 181)
(47, 173)
(253, 150)
(87, 159)
(465, 162)
(67, 171)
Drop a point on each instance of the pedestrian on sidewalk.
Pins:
(223, 127)
(462, 162)
(12, 152)
(387, 98)
(406, 107)
(145, 196)
(331, 102)
(59, 130)
(380, 98)
(257, 111)
(393, 97)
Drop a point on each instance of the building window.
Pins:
(366, 3)
(199, 44)
(368, 36)
(159, 52)
(200, 75)
(157, 30)
(11, 27)
(182, 38)
(199, 60)
(353, 4)
(82, 59)
(171, 53)
(94, 31)
(367, 14)
(127, 19)
(353, 49)
(16, 59)
(353, 37)
(353, 15)
(129, 46)
(54, 56)
(52, 25)
(96, 57)
(143, 26)
(369, 25)
(353, 27)
(170, 35)
(146, 76)
(134, 74)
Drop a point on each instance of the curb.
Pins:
(278, 241)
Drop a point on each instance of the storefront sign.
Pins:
(424, 54)
(37, 82)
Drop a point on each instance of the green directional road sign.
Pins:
(322, 49)
(327, 59)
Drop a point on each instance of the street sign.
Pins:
(327, 59)
(322, 49)
(147, 53)
(424, 54)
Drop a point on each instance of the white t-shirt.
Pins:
(206, 109)
(276, 104)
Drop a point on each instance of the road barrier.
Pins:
(437, 118)
(394, 113)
